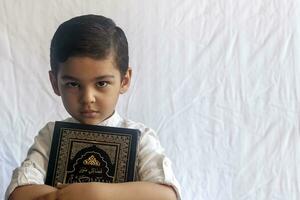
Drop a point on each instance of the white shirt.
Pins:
(153, 165)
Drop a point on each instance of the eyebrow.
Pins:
(67, 77)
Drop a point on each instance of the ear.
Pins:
(126, 81)
(54, 84)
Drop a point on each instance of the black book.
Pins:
(89, 153)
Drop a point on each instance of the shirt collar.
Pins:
(113, 120)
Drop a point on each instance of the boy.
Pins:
(89, 69)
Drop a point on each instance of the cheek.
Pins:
(68, 98)
(108, 100)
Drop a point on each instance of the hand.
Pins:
(34, 191)
(49, 196)
(77, 191)
(61, 185)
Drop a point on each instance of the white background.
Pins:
(218, 80)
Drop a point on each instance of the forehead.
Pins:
(82, 67)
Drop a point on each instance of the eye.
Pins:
(101, 84)
(72, 84)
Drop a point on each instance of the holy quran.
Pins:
(89, 153)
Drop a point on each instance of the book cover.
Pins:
(89, 153)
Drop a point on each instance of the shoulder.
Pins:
(47, 130)
(127, 123)
(133, 124)
(149, 140)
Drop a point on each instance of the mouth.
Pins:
(89, 113)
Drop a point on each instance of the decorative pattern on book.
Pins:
(89, 160)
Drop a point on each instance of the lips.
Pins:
(89, 113)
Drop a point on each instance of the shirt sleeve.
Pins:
(153, 164)
(33, 168)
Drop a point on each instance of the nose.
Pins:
(87, 96)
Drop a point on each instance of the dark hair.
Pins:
(89, 35)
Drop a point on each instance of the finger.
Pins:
(61, 186)
(49, 196)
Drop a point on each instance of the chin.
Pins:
(90, 122)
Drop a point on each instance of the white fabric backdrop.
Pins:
(218, 80)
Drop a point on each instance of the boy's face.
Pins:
(89, 88)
